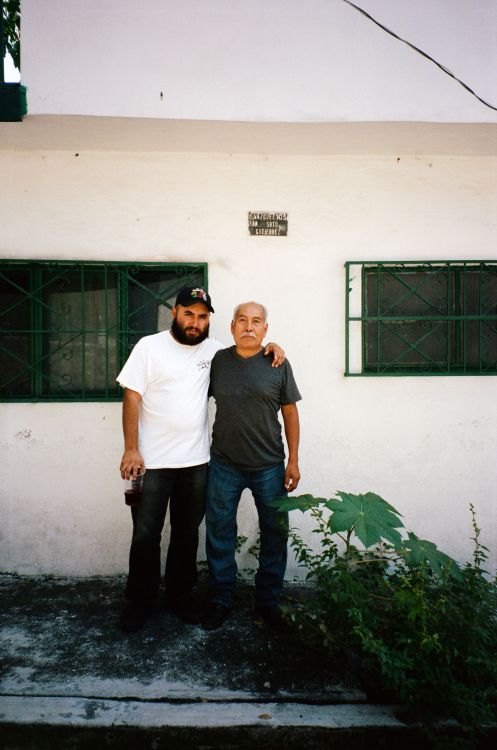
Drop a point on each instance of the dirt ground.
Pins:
(63, 634)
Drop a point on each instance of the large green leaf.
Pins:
(298, 502)
(421, 552)
(369, 516)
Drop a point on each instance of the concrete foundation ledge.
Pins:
(104, 713)
(50, 723)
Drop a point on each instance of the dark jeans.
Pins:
(184, 489)
(225, 486)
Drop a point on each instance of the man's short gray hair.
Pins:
(251, 302)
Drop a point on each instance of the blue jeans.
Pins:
(224, 489)
(184, 490)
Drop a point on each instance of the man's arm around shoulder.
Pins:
(277, 352)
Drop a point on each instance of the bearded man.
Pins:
(166, 382)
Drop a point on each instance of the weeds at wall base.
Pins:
(418, 630)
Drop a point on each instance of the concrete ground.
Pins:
(70, 678)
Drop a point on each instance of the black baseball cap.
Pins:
(190, 295)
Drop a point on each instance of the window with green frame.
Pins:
(67, 327)
(421, 318)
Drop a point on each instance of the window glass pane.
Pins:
(489, 346)
(481, 345)
(66, 328)
(476, 292)
(394, 291)
(430, 317)
(489, 291)
(151, 295)
(15, 337)
(79, 312)
(479, 287)
(403, 343)
(406, 345)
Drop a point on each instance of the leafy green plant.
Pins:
(420, 630)
(12, 30)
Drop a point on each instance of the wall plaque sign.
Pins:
(268, 223)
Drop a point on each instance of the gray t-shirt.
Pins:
(249, 394)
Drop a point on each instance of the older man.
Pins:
(247, 452)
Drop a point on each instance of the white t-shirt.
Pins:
(173, 381)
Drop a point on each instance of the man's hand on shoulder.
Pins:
(277, 352)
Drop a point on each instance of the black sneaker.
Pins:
(133, 616)
(272, 616)
(186, 609)
(215, 615)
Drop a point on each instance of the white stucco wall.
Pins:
(262, 60)
(425, 444)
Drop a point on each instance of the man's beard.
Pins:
(180, 335)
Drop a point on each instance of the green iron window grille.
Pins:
(67, 327)
(418, 318)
